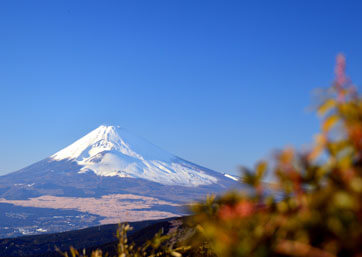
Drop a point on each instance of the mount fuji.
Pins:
(107, 176)
(112, 151)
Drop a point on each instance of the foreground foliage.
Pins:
(318, 212)
(312, 208)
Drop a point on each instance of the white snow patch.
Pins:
(230, 176)
(41, 230)
(112, 151)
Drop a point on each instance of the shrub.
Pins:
(319, 211)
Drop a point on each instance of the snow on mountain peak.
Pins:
(110, 138)
(113, 151)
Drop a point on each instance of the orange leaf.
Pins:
(329, 122)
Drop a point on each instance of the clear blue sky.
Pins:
(220, 83)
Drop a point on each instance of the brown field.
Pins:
(114, 208)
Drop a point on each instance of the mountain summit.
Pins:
(113, 151)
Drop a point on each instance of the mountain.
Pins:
(107, 176)
(111, 151)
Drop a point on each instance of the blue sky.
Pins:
(219, 83)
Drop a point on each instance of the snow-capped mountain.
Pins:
(107, 176)
(113, 151)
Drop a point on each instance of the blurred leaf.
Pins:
(326, 106)
(329, 122)
(260, 169)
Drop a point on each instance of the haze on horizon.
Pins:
(219, 84)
